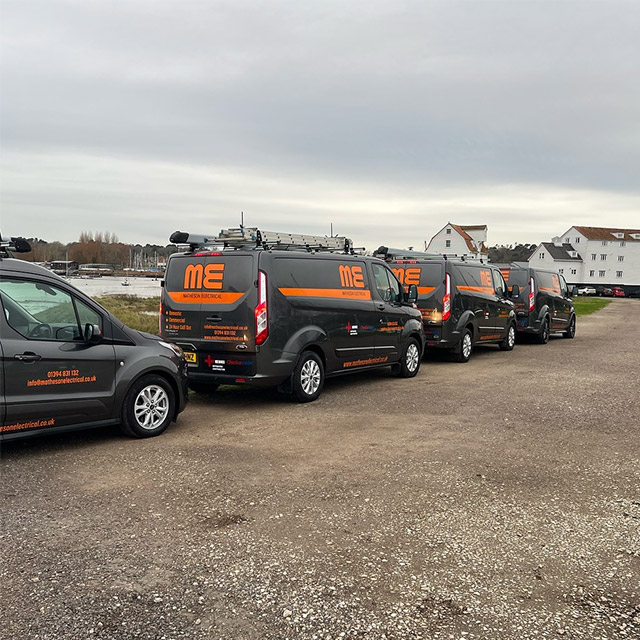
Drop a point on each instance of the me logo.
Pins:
(351, 276)
(485, 277)
(408, 276)
(199, 276)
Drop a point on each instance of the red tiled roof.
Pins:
(606, 233)
(468, 239)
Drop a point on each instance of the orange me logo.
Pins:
(351, 276)
(408, 276)
(485, 277)
(199, 276)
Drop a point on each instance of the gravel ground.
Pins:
(494, 499)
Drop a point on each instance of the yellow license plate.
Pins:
(190, 357)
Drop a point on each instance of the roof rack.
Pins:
(252, 237)
(15, 244)
(389, 253)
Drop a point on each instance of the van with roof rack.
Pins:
(268, 309)
(463, 303)
(543, 301)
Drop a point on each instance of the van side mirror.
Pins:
(514, 292)
(92, 334)
(412, 294)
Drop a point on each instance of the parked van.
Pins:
(268, 309)
(462, 303)
(543, 301)
(67, 363)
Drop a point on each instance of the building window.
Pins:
(620, 258)
(593, 256)
(448, 243)
(623, 243)
(577, 240)
(601, 273)
(604, 243)
(560, 270)
(448, 231)
(618, 274)
(592, 274)
(541, 255)
(603, 256)
(573, 272)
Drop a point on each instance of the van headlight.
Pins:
(173, 347)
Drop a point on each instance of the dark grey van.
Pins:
(462, 303)
(287, 313)
(543, 302)
(66, 362)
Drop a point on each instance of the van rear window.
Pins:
(209, 278)
(516, 276)
(427, 276)
(548, 281)
(318, 278)
(475, 279)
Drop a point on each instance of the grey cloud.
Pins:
(405, 94)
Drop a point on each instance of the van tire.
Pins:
(464, 349)
(202, 387)
(308, 377)
(570, 333)
(409, 364)
(509, 340)
(545, 330)
(148, 407)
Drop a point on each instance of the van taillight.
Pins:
(532, 294)
(160, 314)
(262, 317)
(446, 300)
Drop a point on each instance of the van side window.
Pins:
(39, 311)
(387, 286)
(499, 284)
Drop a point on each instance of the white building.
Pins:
(463, 241)
(593, 255)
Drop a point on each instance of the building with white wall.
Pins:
(468, 241)
(593, 255)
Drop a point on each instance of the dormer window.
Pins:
(635, 236)
(617, 234)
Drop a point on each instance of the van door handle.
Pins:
(214, 318)
(27, 356)
(381, 306)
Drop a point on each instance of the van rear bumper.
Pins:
(266, 368)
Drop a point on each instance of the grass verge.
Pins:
(586, 306)
(137, 313)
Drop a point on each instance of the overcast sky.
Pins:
(387, 118)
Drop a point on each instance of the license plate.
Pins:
(190, 357)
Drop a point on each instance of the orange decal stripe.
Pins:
(426, 289)
(478, 289)
(204, 297)
(349, 294)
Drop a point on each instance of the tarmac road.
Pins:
(494, 499)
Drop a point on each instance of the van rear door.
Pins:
(429, 278)
(208, 304)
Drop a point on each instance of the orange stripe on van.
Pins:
(349, 294)
(426, 289)
(204, 297)
(489, 290)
